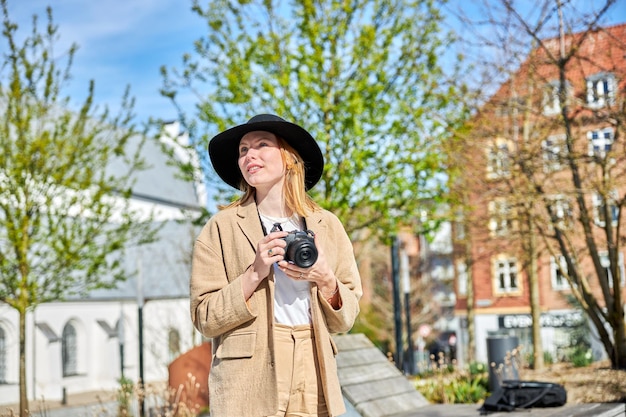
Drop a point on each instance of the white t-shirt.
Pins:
(292, 299)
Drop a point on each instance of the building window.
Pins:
(506, 275)
(69, 350)
(600, 142)
(606, 264)
(551, 103)
(601, 90)
(498, 160)
(511, 107)
(459, 226)
(561, 210)
(461, 274)
(173, 344)
(599, 206)
(500, 217)
(558, 270)
(553, 151)
(3, 356)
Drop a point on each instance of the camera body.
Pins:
(301, 248)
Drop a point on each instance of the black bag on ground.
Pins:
(524, 394)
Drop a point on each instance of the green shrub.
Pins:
(547, 358)
(457, 387)
(581, 357)
(477, 368)
(125, 397)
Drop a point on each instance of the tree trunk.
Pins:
(471, 332)
(618, 360)
(620, 348)
(22, 377)
(535, 306)
(619, 325)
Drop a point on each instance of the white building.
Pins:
(87, 344)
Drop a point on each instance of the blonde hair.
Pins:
(294, 190)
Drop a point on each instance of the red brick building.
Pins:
(545, 153)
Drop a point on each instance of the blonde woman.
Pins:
(274, 275)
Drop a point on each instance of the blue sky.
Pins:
(121, 42)
(125, 42)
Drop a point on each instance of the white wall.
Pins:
(98, 354)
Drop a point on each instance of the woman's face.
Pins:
(260, 160)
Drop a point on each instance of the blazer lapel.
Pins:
(314, 222)
(249, 222)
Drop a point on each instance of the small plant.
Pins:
(477, 368)
(125, 397)
(582, 357)
(180, 401)
(548, 359)
(452, 385)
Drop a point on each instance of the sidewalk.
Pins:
(87, 404)
(104, 404)
(568, 410)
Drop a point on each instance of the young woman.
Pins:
(270, 316)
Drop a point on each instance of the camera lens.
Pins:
(303, 253)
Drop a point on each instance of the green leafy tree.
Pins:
(365, 77)
(65, 182)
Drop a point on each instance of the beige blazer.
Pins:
(242, 380)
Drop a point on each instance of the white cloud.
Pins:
(120, 42)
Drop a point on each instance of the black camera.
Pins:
(301, 248)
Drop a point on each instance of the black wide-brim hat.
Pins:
(224, 148)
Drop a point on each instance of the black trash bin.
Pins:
(498, 348)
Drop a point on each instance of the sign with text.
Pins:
(522, 321)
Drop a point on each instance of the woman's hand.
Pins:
(319, 273)
(269, 250)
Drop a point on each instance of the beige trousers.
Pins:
(299, 385)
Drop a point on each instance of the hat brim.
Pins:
(224, 150)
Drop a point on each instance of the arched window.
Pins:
(69, 350)
(173, 344)
(3, 356)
